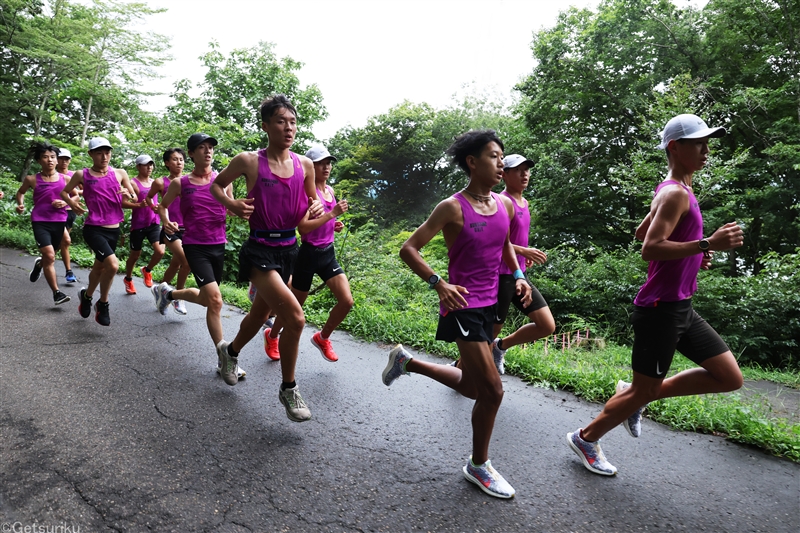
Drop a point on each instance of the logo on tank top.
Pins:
(477, 227)
(268, 182)
(188, 191)
(91, 180)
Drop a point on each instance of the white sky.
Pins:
(366, 55)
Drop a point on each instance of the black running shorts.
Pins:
(314, 260)
(177, 236)
(507, 294)
(474, 325)
(102, 241)
(48, 234)
(659, 331)
(265, 258)
(206, 262)
(152, 232)
(71, 216)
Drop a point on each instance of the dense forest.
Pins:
(589, 115)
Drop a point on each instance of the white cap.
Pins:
(688, 126)
(144, 160)
(63, 152)
(515, 160)
(99, 142)
(318, 153)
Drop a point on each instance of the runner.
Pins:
(280, 184)
(203, 239)
(48, 215)
(174, 159)
(475, 224)
(144, 223)
(516, 174)
(103, 188)
(317, 256)
(62, 167)
(663, 319)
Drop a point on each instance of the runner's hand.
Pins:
(535, 255)
(242, 208)
(728, 236)
(450, 295)
(20, 208)
(59, 204)
(706, 263)
(338, 226)
(171, 228)
(339, 208)
(524, 290)
(78, 208)
(315, 209)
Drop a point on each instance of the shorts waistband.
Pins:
(275, 235)
(318, 249)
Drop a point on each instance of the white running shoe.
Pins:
(179, 307)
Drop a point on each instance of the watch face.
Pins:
(703, 244)
(433, 279)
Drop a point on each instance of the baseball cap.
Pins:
(198, 138)
(515, 160)
(688, 126)
(63, 152)
(318, 153)
(99, 142)
(144, 160)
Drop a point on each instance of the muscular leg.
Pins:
(48, 266)
(178, 264)
(105, 276)
(66, 241)
(542, 324)
(158, 254)
(209, 297)
(131, 262)
(480, 372)
(340, 287)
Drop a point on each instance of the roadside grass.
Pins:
(393, 306)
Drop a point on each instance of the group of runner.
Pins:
(487, 240)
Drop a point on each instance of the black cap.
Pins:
(198, 138)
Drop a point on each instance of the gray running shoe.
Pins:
(591, 454)
(228, 365)
(240, 373)
(160, 294)
(499, 357)
(634, 422)
(488, 479)
(36, 271)
(398, 359)
(296, 408)
(60, 298)
(179, 307)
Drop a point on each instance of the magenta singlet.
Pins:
(103, 199)
(203, 214)
(323, 235)
(174, 208)
(43, 195)
(476, 254)
(143, 217)
(676, 279)
(520, 231)
(280, 203)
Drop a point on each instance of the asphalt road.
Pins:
(128, 428)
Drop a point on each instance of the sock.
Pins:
(147, 269)
(580, 434)
(128, 279)
(169, 295)
(233, 353)
(285, 385)
(323, 336)
(500, 343)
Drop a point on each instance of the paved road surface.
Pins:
(128, 428)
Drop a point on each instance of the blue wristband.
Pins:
(518, 274)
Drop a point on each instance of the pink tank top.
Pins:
(174, 208)
(280, 203)
(520, 230)
(43, 195)
(143, 217)
(323, 235)
(203, 215)
(103, 199)
(476, 254)
(676, 279)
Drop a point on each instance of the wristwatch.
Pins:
(433, 280)
(704, 245)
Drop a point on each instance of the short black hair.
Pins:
(168, 153)
(471, 143)
(38, 149)
(270, 105)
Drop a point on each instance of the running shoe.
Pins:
(324, 346)
(179, 307)
(228, 365)
(634, 422)
(296, 408)
(398, 359)
(251, 292)
(129, 288)
(240, 373)
(70, 277)
(36, 272)
(488, 479)
(271, 346)
(85, 305)
(147, 277)
(591, 454)
(269, 323)
(160, 294)
(454, 364)
(101, 313)
(499, 357)
(60, 298)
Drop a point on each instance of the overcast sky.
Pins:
(366, 55)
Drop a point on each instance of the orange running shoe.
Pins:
(271, 346)
(148, 278)
(324, 346)
(129, 288)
